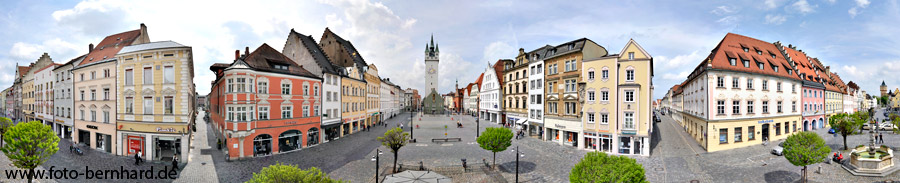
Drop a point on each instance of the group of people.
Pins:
(138, 160)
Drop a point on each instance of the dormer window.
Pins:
(746, 49)
(746, 63)
(572, 46)
(775, 68)
(280, 66)
(773, 55)
(733, 61)
(789, 72)
(760, 65)
(758, 52)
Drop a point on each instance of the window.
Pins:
(720, 107)
(169, 104)
(93, 95)
(749, 107)
(736, 107)
(723, 136)
(787, 128)
(778, 86)
(604, 118)
(760, 65)
(630, 55)
(779, 106)
(590, 117)
(93, 115)
(749, 84)
(148, 75)
(305, 89)
(604, 95)
(148, 105)
(733, 61)
(316, 111)
(285, 112)
(629, 96)
(129, 105)
(794, 106)
(590, 75)
(305, 111)
(720, 82)
(82, 114)
(285, 89)
(230, 85)
(605, 74)
(570, 108)
(230, 112)
(106, 94)
(751, 130)
(775, 68)
(735, 83)
(571, 85)
(551, 107)
(169, 74)
(93, 75)
(737, 134)
(591, 96)
(316, 90)
(765, 106)
(629, 75)
(241, 82)
(746, 49)
(263, 87)
(629, 120)
(746, 63)
(765, 85)
(106, 116)
(280, 66)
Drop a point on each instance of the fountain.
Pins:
(871, 160)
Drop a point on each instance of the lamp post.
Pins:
(477, 118)
(376, 159)
(411, 127)
(518, 154)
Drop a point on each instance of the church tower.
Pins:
(883, 89)
(432, 57)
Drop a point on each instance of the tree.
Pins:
(847, 124)
(5, 124)
(599, 167)
(895, 120)
(495, 140)
(280, 173)
(29, 145)
(394, 139)
(805, 148)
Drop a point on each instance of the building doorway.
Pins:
(262, 145)
(289, 141)
(821, 123)
(312, 137)
(765, 132)
(84, 138)
(167, 148)
(805, 125)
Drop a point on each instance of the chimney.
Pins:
(237, 54)
(247, 50)
(90, 47)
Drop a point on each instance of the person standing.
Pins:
(881, 138)
(137, 159)
(175, 162)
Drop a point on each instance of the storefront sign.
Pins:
(160, 129)
(92, 127)
(765, 121)
(560, 126)
(135, 144)
(290, 122)
(61, 121)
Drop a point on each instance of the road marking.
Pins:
(421, 145)
(446, 144)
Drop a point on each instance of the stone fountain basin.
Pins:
(864, 161)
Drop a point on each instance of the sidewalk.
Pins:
(200, 166)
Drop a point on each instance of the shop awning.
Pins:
(522, 121)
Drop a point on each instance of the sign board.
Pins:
(765, 121)
(160, 129)
(92, 127)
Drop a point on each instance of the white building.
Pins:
(386, 99)
(536, 92)
(63, 102)
(303, 50)
(43, 102)
(489, 106)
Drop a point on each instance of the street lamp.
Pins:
(478, 116)
(518, 154)
(376, 159)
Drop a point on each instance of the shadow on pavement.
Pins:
(781, 176)
(524, 167)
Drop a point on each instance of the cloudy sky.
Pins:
(857, 38)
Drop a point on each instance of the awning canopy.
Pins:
(522, 121)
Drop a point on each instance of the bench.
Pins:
(446, 139)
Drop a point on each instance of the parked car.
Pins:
(887, 126)
(778, 150)
(831, 131)
(866, 126)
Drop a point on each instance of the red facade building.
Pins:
(263, 103)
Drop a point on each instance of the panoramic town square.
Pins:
(502, 91)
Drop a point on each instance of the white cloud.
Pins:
(804, 7)
(729, 20)
(679, 61)
(775, 19)
(723, 10)
(770, 4)
(498, 50)
(54, 47)
(860, 4)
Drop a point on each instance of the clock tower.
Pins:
(432, 56)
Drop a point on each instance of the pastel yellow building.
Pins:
(373, 95)
(156, 103)
(617, 111)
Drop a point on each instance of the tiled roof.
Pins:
(110, 46)
(74, 60)
(478, 81)
(498, 69)
(732, 46)
(151, 46)
(853, 85)
(541, 53)
(562, 49)
(23, 70)
(317, 53)
(265, 57)
(804, 66)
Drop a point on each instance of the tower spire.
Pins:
(432, 40)
(436, 49)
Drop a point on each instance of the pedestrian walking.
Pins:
(137, 159)
(881, 138)
(175, 162)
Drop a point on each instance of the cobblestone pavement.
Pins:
(200, 166)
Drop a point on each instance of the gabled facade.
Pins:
(813, 87)
(43, 96)
(373, 95)
(536, 92)
(63, 97)
(563, 95)
(304, 51)
(489, 108)
(344, 56)
(278, 113)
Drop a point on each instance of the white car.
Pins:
(887, 126)
(778, 150)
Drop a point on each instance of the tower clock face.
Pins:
(431, 71)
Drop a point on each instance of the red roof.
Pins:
(804, 66)
(498, 69)
(478, 81)
(48, 66)
(110, 46)
(733, 45)
(23, 70)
